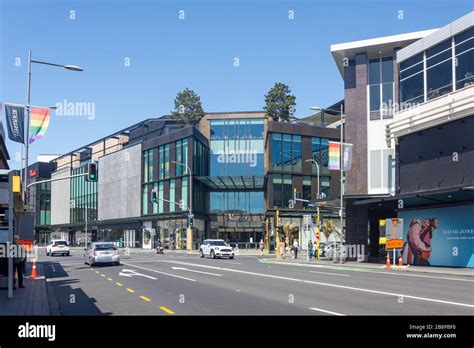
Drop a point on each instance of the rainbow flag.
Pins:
(334, 155)
(39, 122)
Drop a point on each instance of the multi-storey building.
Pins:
(409, 106)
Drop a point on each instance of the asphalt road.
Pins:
(183, 284)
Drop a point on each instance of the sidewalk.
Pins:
(33, 300)
(375, 267)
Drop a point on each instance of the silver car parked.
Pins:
(102, 252)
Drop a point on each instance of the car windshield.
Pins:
(218, 242)
(105, 247)
(60, 242)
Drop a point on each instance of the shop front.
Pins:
(172, 233)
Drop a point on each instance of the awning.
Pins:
(232, 182)
(425, 198)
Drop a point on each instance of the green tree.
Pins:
(187, 107)
(280, 103)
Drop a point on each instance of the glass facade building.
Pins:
(83, 197)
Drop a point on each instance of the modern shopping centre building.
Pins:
(410, 115)
(244, 167)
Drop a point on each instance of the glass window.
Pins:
(412, 89)
(439, 79)
(277, 151)
(256, 202)
(172, 195)
(287, 190)
(306, 190)
(374, 71)
(161, 151)
(387, 100)
(316, 152)
(411, 66)
(464, 60)
(167, 161)
(277, 191)
(217, 129)
(184, 193)
(374, 97)
(160, 197)
(297, 153)
(387, 69)
(286, 152)
(325, 187)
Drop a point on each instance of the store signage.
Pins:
(237, 218)
(394, 244)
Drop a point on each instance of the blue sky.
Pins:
(168, 54)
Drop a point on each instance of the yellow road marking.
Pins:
(130, 290)
(119, 284)
(103, 275)
(97, 272)
(110, 279)
(169, 311)
(144, 298)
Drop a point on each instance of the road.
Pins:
(184, 284)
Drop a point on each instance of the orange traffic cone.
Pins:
(33, 270)
(400, 261)
(388, 265)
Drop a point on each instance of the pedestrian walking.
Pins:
(261, 246)
(315, 249)
(295, 248)
(19, 261)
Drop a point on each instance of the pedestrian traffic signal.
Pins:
(153, 196)
(91, 172)
(314, 218)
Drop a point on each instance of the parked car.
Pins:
(216, 248)
(57, 246)
(101, 252)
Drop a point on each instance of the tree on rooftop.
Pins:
(280, 103)
(188, 107)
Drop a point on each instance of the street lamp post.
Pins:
(190, 173)
(28, 107)
(317, 170)
(341, 167)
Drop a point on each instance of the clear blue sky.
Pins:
(168, 54)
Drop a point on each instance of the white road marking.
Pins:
(57, 279)
(132, 273)
(325, 311)
(155, 271)
(336, 274)
(192, 270)
(328, 284)
(232, 262)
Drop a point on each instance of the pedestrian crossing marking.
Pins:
(169, 311)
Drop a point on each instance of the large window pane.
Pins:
(439, 79)
(297, 153)
(286, 152)
(465, 69)
(287, 190)
(374, 97)
(387, 100)
(172, 195)
(387, 69)
(306, 190)
(277, 191)
(412, 89)
(374, 71)
(184, 193)
(411, 66)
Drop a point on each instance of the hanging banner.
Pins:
(39, 123)
(15, 116)
(335, 156)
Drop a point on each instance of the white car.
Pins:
(216, 248)
(102, 252)
(57, 246)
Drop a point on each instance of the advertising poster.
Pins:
(439, 236)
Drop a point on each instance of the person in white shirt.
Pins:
(295, 248)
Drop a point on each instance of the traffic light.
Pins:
(190, 220)
(314, 218)
(153, 196)
(91, 172)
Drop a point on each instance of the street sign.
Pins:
(317, 234)
(394, 244)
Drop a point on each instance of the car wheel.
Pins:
(47, 254)
(67, 254)
(213, 255)
(201, 254)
